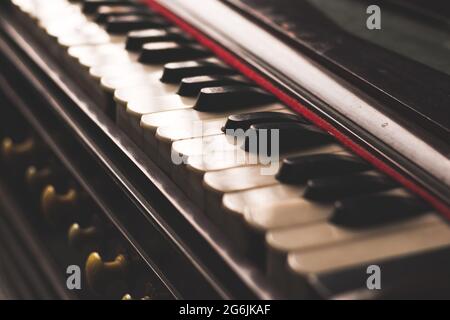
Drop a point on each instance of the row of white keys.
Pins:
(76, 39)
(230, 191)
(38, 9)
(185, 136)
(68, 26)
(142, 99)
(132, 73)
(61, 19)
(322, 233)
(266, 217)
(99, 59)
(226, 168)
(211, 153)
(201, 148)
(115, 68)
(137, 90)
(133, 104)
(300, 225)
(265, 209)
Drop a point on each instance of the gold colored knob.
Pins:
(107, 278)
(83, 238)
(128, 297)
(18, 153)
(59, 209)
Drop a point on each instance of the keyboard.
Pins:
(282, 202)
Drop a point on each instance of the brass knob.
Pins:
(128, 297)
(84, 238)
(149, 291)
(18, 153)
(107, 278)
(59, 209)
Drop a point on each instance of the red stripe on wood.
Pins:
(258, 78)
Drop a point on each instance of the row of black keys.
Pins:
(329, 177)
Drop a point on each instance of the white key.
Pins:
(214, 147)
(129, 94)
(263, 218)
(116, 71)
(239, 179)
(88, 50)
(150, 88)
(207, 145)
(244, 178)
(65, 20)
(222, 174)
(43, 9)
(109, 73)
(187, 129)
(229, 177)
(150, 103)
(165, 136)
(181, 129)
(151, 122)
(79, 34)
(364, 252)
(88, 62)
(312, 237)
(27, 6)
(229, 215)
(287, 213)
(142, 82)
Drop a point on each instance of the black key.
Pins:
(136, 39)
(245, 120)
(292, 136)
(104, 12)
(164, 52)
(343, 186)
(230, 97)
(299, 169)
(191, 87)
(124, 24)
(175, 71)
(376, 209)
(91, 6)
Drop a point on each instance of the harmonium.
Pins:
(224, 149)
